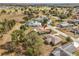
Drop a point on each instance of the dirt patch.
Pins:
(46, 49)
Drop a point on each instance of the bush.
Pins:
(25, 18)
(3, 11)
(68, 39)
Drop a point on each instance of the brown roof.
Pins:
(54, 39)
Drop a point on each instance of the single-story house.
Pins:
(75, 31)
(42, 30)
(59, 52)
(51, 39)
(67, 49)
(64, 25)
(37, 21)
(75, 21)
(33, 23)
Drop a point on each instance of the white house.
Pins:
(33, 23)
(65, 25)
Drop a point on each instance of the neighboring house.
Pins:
(37, 21)
(76, 22)
(64, 25)
(66, 50)
(33, 23)
(42, 30)
(59, 52)
(51, 39)
(75, 31)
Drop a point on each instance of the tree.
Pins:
(68, 39)
(26, 18)
(25, 12)
(1, 28)
(17, 36)
(3, 11)
(6, 25)
(63, 16)
(44, 21)
(34, 42)
(21, 9)
(23, 27)
(16, 10)
(11, 23)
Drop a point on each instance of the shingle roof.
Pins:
(53, 39)
(65, 50)
(60, 52)
(69, 47)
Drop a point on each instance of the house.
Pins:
(42, 30)
(75, 21)
(67, 49)
(75, 31)
(33, 23)
(64, 25)
(77, 14)
(36, 22)
(41, 18)
(51, 39)
(59, 52)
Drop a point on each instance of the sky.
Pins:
(39, 1)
